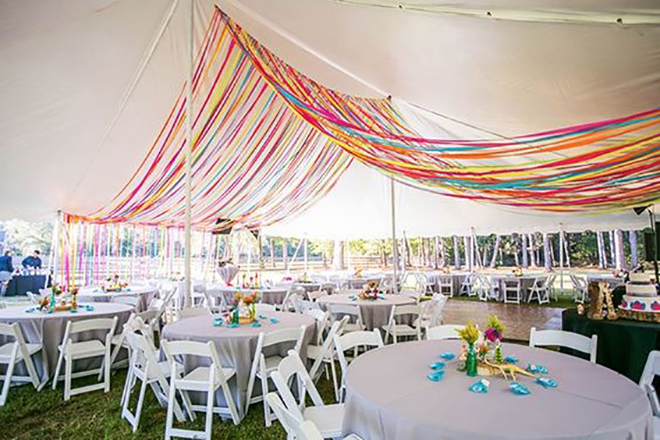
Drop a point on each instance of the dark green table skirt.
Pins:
(623, 345)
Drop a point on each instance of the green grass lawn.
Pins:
(29, 414)
(564, 301)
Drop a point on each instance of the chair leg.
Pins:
(210, 398)
(68, 371)
(58, 368)
(128, 386)
(264, 392)
(106, 370)
(7, 384)
(334, 378)
(230, 403)
(170, 411)
(138, 410)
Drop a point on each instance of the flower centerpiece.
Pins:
(114, 284)
(470, 335)
(493, 334)
(517, 271)
(58, 300)
(370, 290)
(244, 311)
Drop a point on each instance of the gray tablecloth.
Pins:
(457, 279)
(236, 346)
(267, 296)
(375, 313)
(144, 294)
(389, 397)
(48, 329)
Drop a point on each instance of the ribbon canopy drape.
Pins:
(269, 142)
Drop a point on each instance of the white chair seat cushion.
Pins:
(327, 418)
(199, 377)
(314, 351)
(86, 348)
(272, 362)
(6, 349)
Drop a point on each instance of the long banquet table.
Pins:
(389, 397)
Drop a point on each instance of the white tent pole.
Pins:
(305, 253)
(53, 262)
(189, 118)
(561, 258)
(395, 251)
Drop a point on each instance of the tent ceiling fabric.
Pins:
(68, 71)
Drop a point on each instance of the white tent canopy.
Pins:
(86, 85)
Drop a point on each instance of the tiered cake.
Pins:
(641, 300)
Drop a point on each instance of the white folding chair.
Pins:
(539, 290)
(481, 286)
(324, 355)
(34, 299)
(145, 367)
(201, 379)
(512, 290)
(129, 300)
(441, 332)
(432, 311)
(263, 365)
(446, 285)
(396, 329)
(295, 427)
(354, 341)
(338, 311)
(215, 303)
(466, 285)
(550, 283)
(302, 305)
(13, 353)
(316, 295)
(137, 322)
(321, 319)
(71, 351)
(579, 288)
(292, 295)
(651, 370)
(194, 312)
(562, 338)
(328, 418)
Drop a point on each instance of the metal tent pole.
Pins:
(395, 255)
(189, 119)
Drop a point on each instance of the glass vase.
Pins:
(471, 362)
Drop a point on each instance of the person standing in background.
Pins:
(6, 271)
(33, 261)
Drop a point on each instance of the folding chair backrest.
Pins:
(91, 325)
(442, 332)
(156, 304)
(651, 370)
(408, 309)
(321, 319)
(292, 369)
(345, 309)
(8, 329)
(562, 338)
(288, 418)
(540, 282)
(281, 336)
(336, 329)
(302, 305)
(351, 340)
(185, 348)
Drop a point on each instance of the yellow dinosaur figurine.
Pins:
(503, 369)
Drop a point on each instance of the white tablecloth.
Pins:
(144, 295)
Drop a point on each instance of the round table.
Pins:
(144, 295)
(389, 397)
(48, 329)
(236, 346)
(375, 313)
(267, 296)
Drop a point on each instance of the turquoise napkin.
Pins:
(274, 320)
(537, 369)
(217, 322)
(436, 376)
(447, 355)
(519, 389)
(31, 310)
(511, 360)
(546, 383)
(438, 366)
(232, 325)
(73, 310)
(128, 289)
(256, 324)
(262, 317)
(353, 298)
(480, 386)
(381, 296)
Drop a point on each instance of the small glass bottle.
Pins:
(471, 362)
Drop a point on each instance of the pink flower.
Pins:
(492, 335)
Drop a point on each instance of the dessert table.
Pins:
(48, 329)
(236, 346)
(267, 296)
(375, 313)
(623, 345)
(144, 295)
(21, 284)
(390, 397)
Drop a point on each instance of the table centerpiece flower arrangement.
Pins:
(114, 284)
(369, 291)
(517, 271)
(60, 299)
(244, 311)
